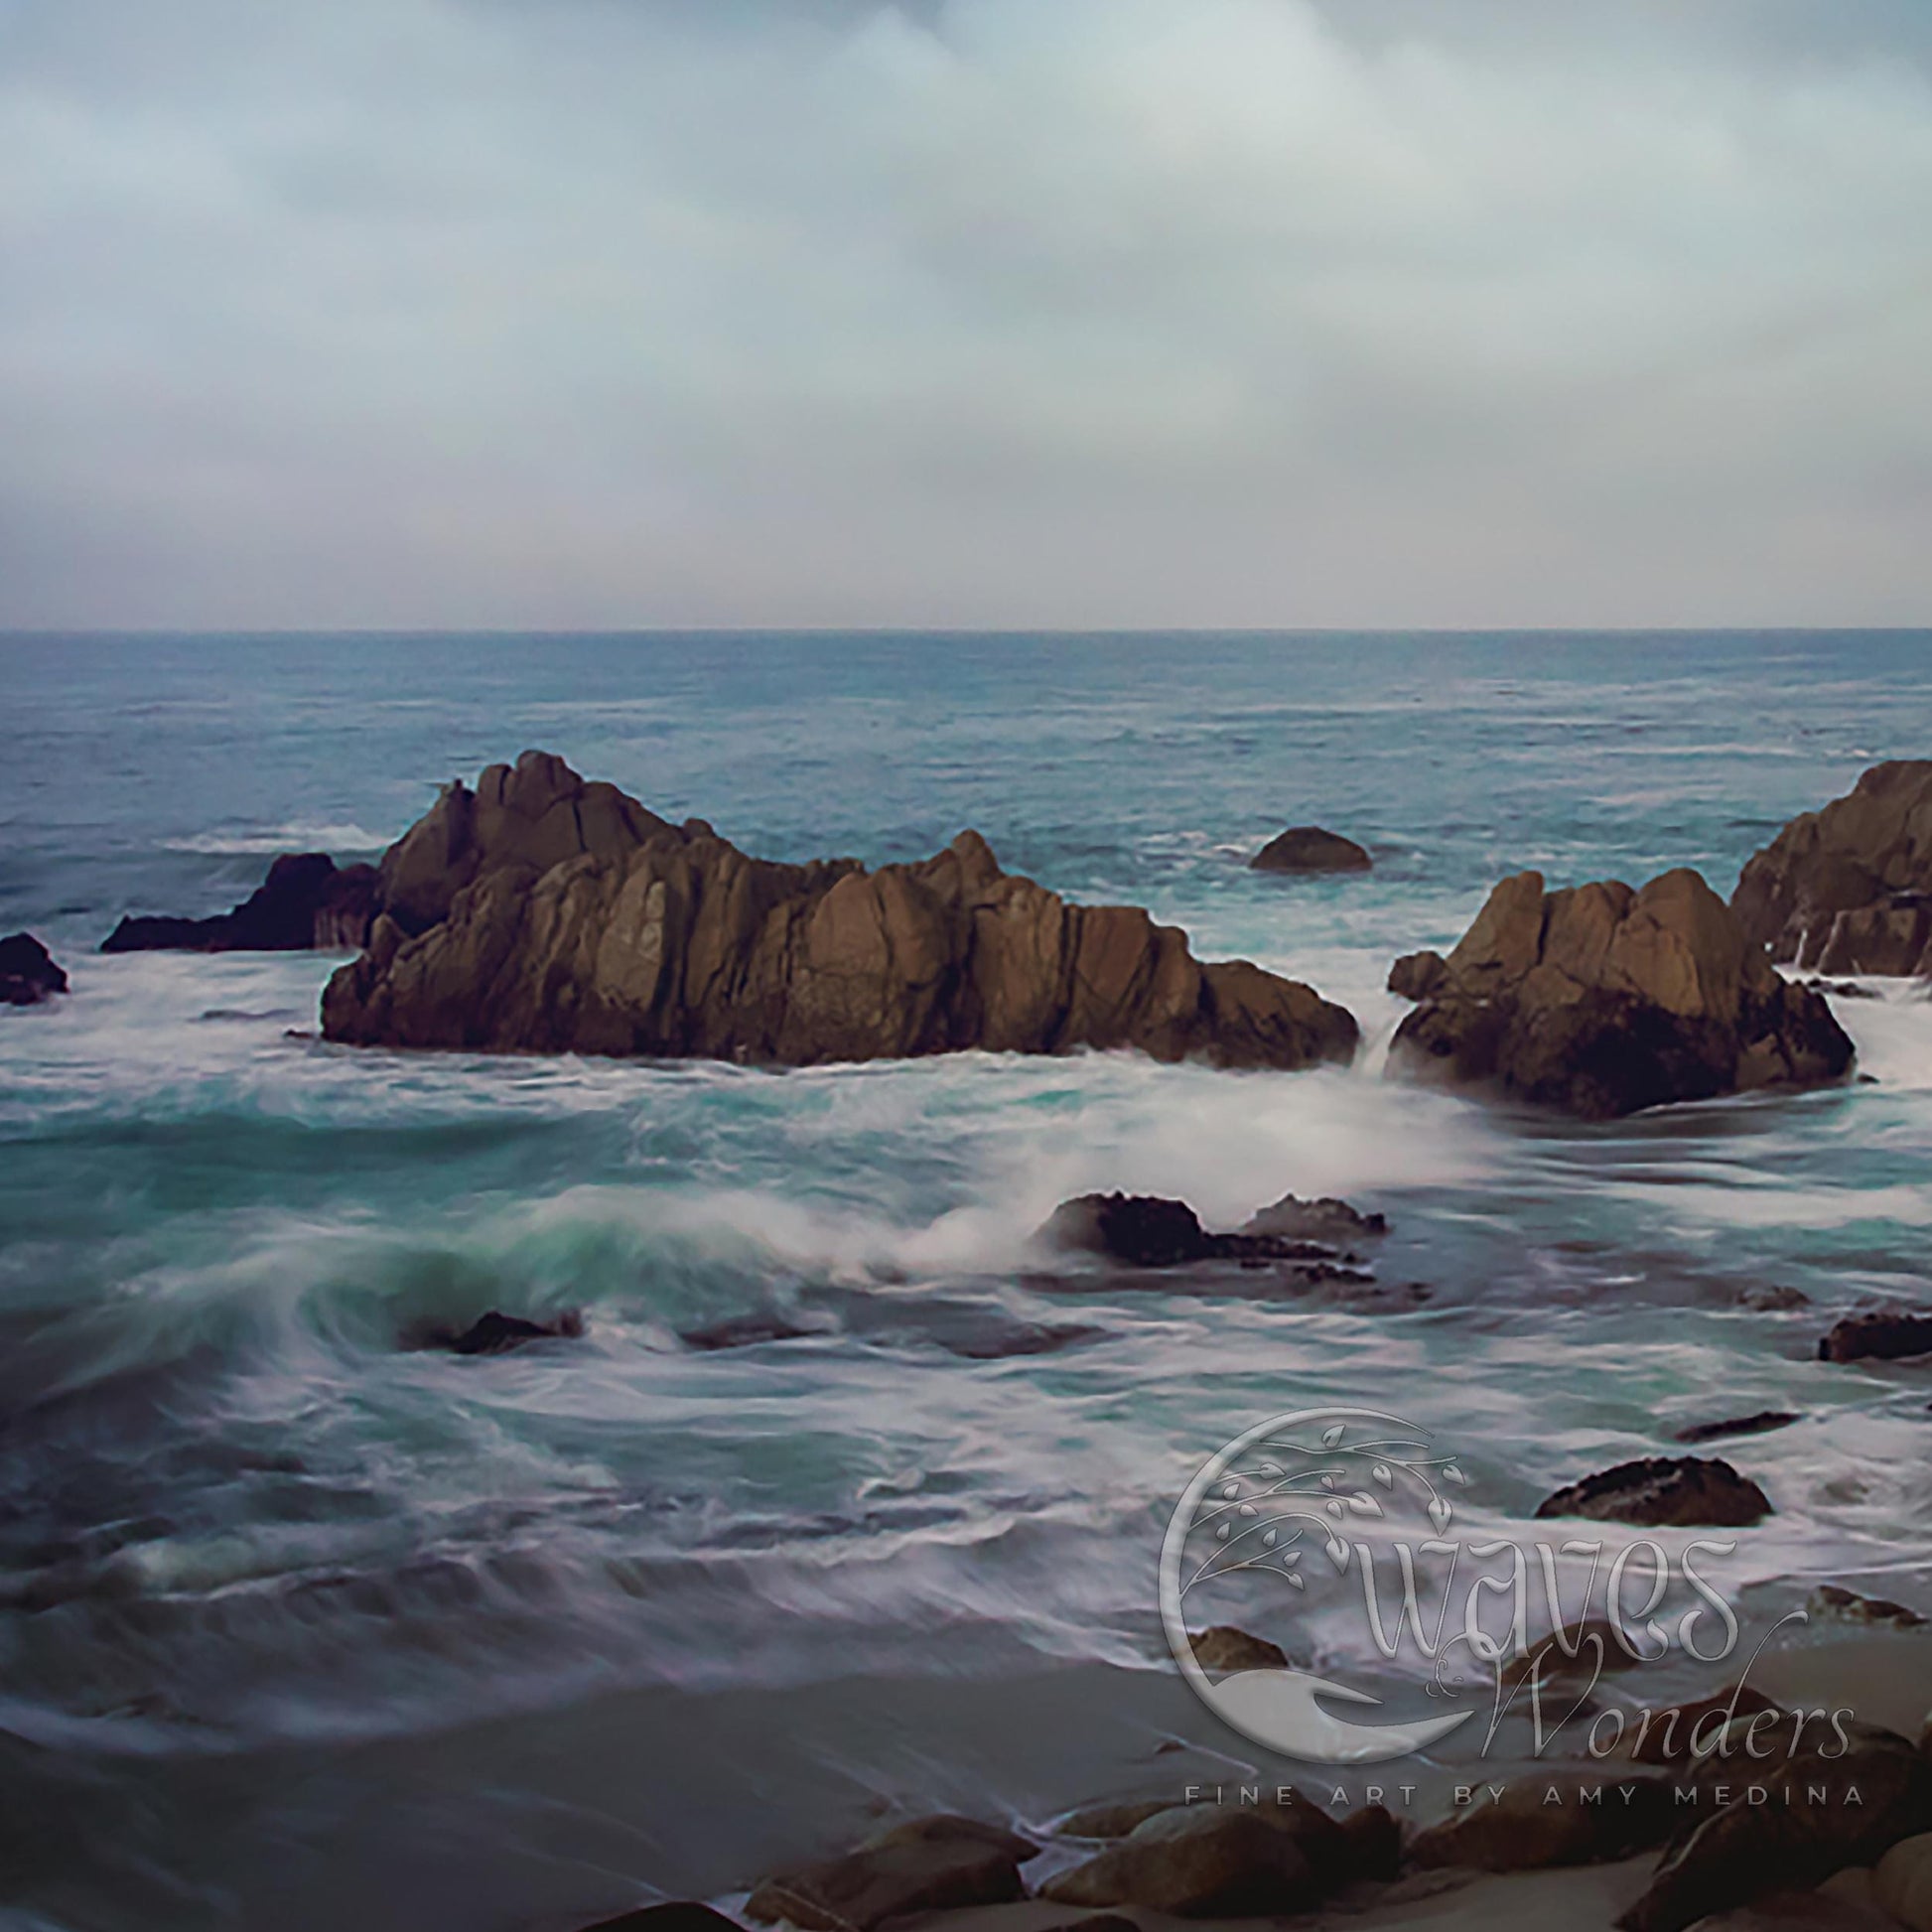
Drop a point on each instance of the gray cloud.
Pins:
(1055, 312)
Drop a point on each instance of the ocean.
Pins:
(298, 1626)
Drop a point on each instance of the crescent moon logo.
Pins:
(1285, 1489)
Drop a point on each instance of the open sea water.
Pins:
(300, 1627)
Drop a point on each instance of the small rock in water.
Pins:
(1830, 1600)
(923, 1866)
(1879, 1335)
(1308, 848)
(1326, 1219)
(1774, 1301)
(741, 1331)
(1151, 1232)
(1143, 1230)
(495, 1334)
(27, 973)
(1760, 1423)
(1224, 1648)
(1664, 1493)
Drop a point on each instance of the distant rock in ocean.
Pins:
(1849, 888)
(306, 904)
(1308, 848)
(541, 913)
(1602, 1000)
(27, 973)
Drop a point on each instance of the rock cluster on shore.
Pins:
(1849, 888)
(542, 914)
(1602, 1000)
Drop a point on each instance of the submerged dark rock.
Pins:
(1603, 1001)
(1760, 1423)
(28, 972)
(1880, 1335)
(306, 904)
(1308, 848)
(497, 1333)
(1849, 888)
(1664, 1493)
(1149, 1232)
(540, 914)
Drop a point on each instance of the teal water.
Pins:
(294, 1623)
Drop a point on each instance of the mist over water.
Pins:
(294, 1617)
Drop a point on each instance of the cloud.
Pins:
(1004, 312)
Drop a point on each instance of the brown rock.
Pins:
(307, 904)
(1847, 1606)
(1882, 1335)
(495, 1334)
(540, 914)
(1308, 848)
(1113, 1820)
(907, 1870)
(672, 1915)
(28, 974)
(1664, 1493)
(1592, 1818)
(1846, 890)
(1675, 1733)
(1201, 1862)
(948, 1828)
(1603, 1001)
(1766, 1829)
(1224, 1649)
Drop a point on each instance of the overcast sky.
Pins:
(570, 312)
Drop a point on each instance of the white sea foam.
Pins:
(302, 835)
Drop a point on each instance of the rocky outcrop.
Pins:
(927, 1864)
(306, 904)
(1308, 848)
(1212, 1861)
(1788, 1825)
(1602, 1000)
(1849, 888)
(1664, 1493)
(1545, 1821)
(27, 973)
(541, 913)
(1879, 1335)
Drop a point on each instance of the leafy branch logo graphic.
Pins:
(1254, 1509)
(1289, 1486)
